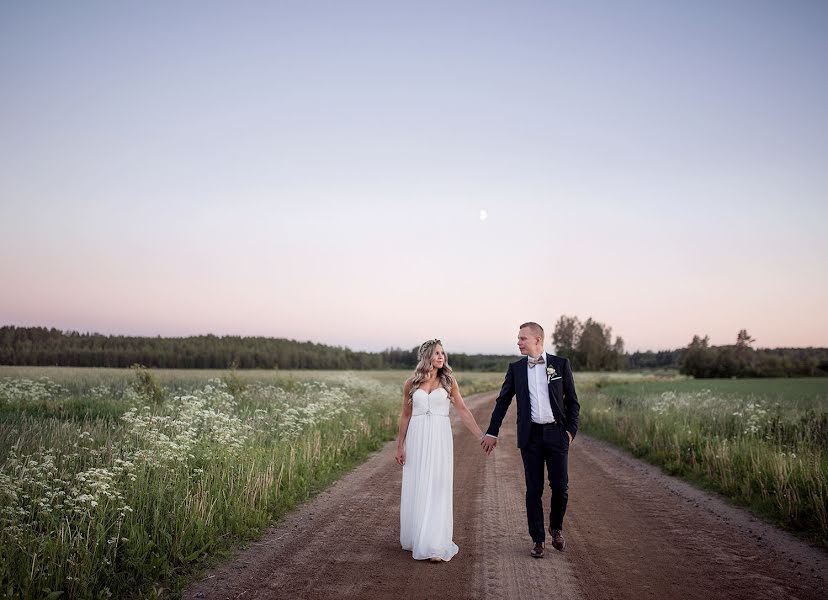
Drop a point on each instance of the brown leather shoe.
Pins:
(537, 551)
(558, 541)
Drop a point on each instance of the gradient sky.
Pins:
(316, 170)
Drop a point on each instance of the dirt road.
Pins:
(632, 533)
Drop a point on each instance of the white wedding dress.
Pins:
(426, 510)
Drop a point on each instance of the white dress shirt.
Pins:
(539, 393)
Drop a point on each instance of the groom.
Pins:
(547, 420)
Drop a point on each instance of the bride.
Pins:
(425, 452)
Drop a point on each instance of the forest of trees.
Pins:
(588, 344)
(662, 359)
(700, 359)
(40, 346)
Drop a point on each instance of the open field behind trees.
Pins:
(760, 442)
(118, 482)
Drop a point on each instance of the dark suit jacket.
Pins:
(562, 398)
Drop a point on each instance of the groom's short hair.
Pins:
(535, 328)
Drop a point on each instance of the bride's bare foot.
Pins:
(435, 559)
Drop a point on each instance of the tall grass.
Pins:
(763, 443)
(109, 490)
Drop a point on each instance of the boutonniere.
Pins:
(550, 373)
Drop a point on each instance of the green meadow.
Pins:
(763, 443)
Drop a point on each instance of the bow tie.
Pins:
(535, 361)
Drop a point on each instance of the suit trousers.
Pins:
(548, 447)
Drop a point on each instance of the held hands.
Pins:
(488, 443)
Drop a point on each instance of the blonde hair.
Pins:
(424, 367)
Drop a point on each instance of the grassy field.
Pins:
(763, 443)
(120, 484)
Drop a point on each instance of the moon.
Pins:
(483, 214)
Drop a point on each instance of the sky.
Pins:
(319, 170)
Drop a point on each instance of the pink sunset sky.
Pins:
(318, 172)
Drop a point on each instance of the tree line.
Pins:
(41, 346)
(588, 344)
(702, 360)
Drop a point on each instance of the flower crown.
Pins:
(426, 345)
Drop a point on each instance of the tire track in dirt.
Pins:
(509, 571)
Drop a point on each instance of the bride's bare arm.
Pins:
(405, 417)
(464, 412)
